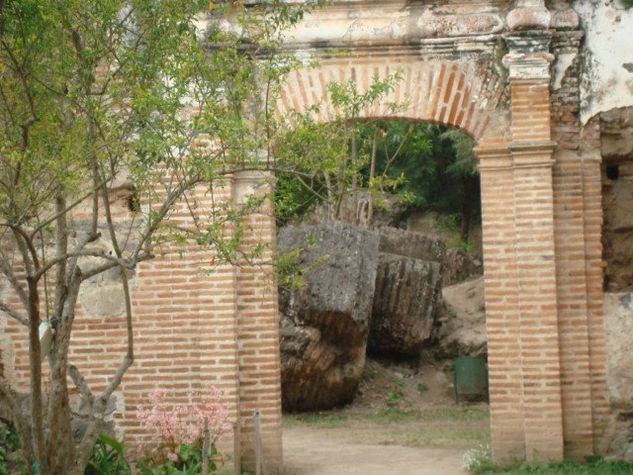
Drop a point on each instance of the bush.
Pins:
(179, 431)
(108, 458)
(9, 445)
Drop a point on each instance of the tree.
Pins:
(427, 166)
(439, 165)
(105, 95)
(464, 169)
(329, 154)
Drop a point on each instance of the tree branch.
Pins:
(10, 409)
(14, 313)
(6, 269)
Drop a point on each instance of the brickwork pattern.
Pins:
(198, 324)
(578, 218)
(457, 93)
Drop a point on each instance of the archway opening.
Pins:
(367, 341)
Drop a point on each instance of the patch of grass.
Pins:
(314, 419)
(389, 416)
(444, 436)
(591, 466)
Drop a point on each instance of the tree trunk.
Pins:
(372, 175)
(35, 366)
(467, 208)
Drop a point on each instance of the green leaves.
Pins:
(108, 458)
(119, 123)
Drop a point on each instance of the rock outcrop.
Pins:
(325, 323)
(462, 330)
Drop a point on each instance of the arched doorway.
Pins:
(541, 216)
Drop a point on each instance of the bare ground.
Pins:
(403, 421)
(310, 451)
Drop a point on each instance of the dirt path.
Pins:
(314, 451)
(403, 421)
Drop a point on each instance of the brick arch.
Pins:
(455, 93)
(541, 219)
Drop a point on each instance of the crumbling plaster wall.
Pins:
(607, 77)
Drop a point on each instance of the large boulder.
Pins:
(408, 282)
(325, 322)
(407, 291)
(411, 244)
(463, 320)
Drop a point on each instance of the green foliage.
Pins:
(108, 458)
(427, 166)
(479, 462)
(291, 267)
(628, 3)
(9, 444)
(325, 158)
(396, 394)
(289, 272)
(99, 96)
(189, 462)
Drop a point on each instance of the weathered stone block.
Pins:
(325, 323)
(403, 314)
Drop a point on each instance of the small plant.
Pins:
(422, 388)
(292, 267)
(395, 396)
(478, 460)
(108, 458)
(180, 430)
(10, 462)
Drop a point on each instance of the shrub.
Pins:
(108, 458)
(179, 431)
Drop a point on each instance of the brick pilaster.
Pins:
(502, 301)
(578, 221)
(258, 328)
(531, 149)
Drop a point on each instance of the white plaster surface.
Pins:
(606, 83)
(563, 61)
(618, 312)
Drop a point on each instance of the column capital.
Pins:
(529, 14)
(532, 154)
(250, 183)
(528, 56)
(493, 156)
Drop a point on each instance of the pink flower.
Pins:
(176, 424)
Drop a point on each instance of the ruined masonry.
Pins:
(508, 74)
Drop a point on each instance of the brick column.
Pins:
(502, 301)
(539, 336)
(531, 149)
(258, 328)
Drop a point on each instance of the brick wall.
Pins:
(198, 324)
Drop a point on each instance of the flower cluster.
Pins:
(177, 424)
